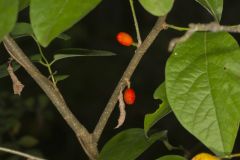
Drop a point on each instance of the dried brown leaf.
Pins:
(17, 85)
(122, 110)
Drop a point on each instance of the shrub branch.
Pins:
(212, 27)
(51, 90)
(159, 26)
(87, 140)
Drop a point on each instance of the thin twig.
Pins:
(127, 75)
(176, 27)
(212, 27)
(135, 23)
(46, 63)
(84, 137)
(20, 154)
(231, 156)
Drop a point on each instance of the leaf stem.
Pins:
(45, 63)
(176, 27)
(135, 23)
(42, 63)
(231, 156)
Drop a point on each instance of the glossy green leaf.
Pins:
(214, 7)
(27, 141)
(202, 85)
(129, 144)
(3, 69)
(23, 4)
(163, 110)
(157, 7)
(171, 157)
(8, 16)
(49, 18)
(79, 52)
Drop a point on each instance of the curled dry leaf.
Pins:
(17, 85)
(122, 111)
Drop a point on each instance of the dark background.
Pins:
(93, 79)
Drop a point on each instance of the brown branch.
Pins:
(89, 146)
(127, 75)
(87, 140)
(212, 27)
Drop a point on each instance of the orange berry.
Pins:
(205, 156)
(124, 39)
(129, 96)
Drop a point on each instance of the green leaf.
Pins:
(203, 88)
(21, 29)
(8, 16)
(157, 7)
(23, 4)
(59, 78)
(171, 157)
(49, 18)
(79, 52)
(36, 57)
(27, 141)
(129, 144)
(64, 36)
(214, 7)
(3, 69)
(163, 110)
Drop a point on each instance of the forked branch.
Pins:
(55, 96)
(212, 27)
(87, 140)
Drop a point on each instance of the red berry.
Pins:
(124, 39)
(129, 96)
